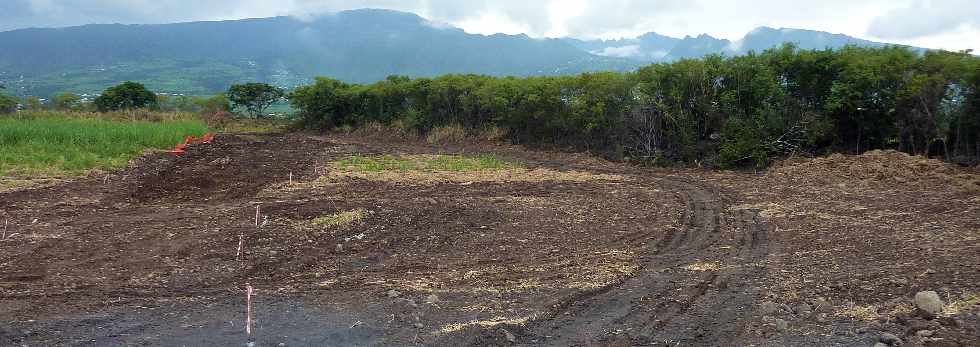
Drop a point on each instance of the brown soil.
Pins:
(566, 250)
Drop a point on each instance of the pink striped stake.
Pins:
(248, 310)
(241, 243)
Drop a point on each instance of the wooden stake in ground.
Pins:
(4, 228)
(257, 215)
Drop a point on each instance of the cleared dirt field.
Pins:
(553, 249)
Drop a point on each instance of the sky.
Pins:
(946, 24)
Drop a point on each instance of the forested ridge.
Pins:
(720, 111)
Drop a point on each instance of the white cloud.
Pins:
(621, 52)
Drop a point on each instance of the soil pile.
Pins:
(879, 169)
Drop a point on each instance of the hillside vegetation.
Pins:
(724, 111)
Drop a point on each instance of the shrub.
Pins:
(126, 96)
(8, 104)
(446, 134)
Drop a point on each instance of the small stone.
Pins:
(431, 299)
(282, 344)
(340, 248)
(419, 325)
(393, 293)
(507, 335)
(924, 333)
(768, 308)
(890, 339)
(803, 309)
(822, 305)
(879, 344)
(781, 325)
(928, 304)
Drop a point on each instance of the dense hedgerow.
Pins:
(726, 111)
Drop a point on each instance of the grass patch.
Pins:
(342, 218)
(63, 145)
(452, 163)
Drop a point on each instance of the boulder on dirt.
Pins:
(890, 339)
(507, 335)
(928, 304)
(781, 325)
(821, 305)
(803, 310)
(924, 333)
(769, 308)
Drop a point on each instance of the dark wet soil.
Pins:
(150, 256)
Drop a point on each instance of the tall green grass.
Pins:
(59, 145)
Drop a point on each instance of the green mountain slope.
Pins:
(205, 57)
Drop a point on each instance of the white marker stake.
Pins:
(4, 228)
(290, 178)
(248, 310)
(241, 242)
(256, 215)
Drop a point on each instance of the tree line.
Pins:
(721, 111)
(724, 111)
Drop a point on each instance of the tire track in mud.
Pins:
(678, 296)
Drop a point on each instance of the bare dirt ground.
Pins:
(567, 250)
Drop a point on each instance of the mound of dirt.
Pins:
(879, 169)
(234, 166)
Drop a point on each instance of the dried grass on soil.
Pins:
(879, 169)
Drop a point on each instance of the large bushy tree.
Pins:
(66, 101)
(128, 95)
(8, 104)
(254, 97)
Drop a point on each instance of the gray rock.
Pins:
(924, 333)
(393, 293)
(928, 304)
(340, 248)
(822, 305)
(890, 339)
(879, 344)
(507, 335)
(431, 299)
(803, 309)
(419, 325)
(768, 308)
(781, 325)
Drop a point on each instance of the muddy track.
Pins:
(677, 296)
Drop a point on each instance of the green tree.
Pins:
(128, 95)
(324, 104)
(66, 101)
(33, 103)
(254, 97)
(213, 104)
(8, 104)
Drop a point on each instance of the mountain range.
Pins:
(202, 58)
(653, 47)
